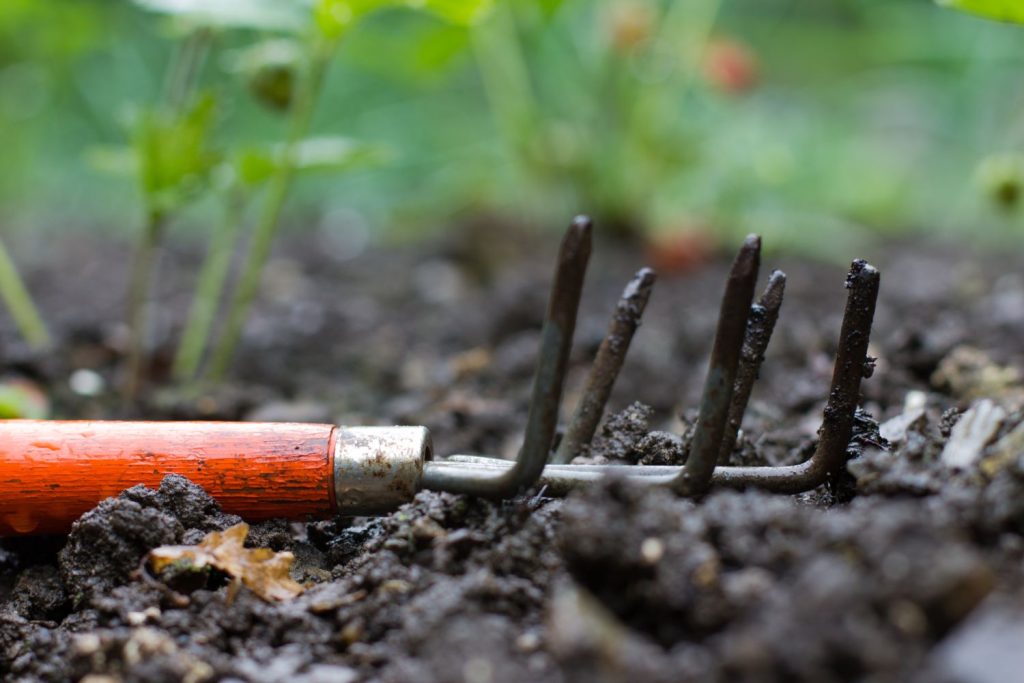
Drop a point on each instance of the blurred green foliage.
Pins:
(1002, 10)
(858, 115)
(20, 399)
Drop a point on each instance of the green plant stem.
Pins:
(181, 83)
(185, 68)
(138, 294)
(19, 303)
(266, 228)
(208, 290)
(506, 79)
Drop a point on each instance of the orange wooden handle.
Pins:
(51, 472)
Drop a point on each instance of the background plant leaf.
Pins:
(174, 153)
(463, 12)
(273, 15)
(326, 154)
(114, 159)
(1001, 10)
(334, 17)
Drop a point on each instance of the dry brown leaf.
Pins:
(261, 570)
(970, 373)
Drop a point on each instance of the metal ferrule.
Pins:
(376, 469)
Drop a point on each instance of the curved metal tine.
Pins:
(763, 316)
(553, 359)
(478, 461)
(721, 378)
(607, 364)
(557, 480)
(851, 366)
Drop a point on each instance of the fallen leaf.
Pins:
(970, 373)
(1004, 451)
(261, 570)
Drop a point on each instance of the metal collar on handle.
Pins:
(376, 469)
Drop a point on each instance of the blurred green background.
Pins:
(810, 121)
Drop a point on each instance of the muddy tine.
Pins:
(610, 357)
(852, 365)
(556, 343)
(725, 356)
(552, 362)
(763, 316)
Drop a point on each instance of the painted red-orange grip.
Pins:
(51, 471)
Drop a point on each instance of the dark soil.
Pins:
(914, 571)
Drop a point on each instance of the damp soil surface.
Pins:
(912, 569)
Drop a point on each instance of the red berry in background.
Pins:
(680, 251)
(730, 66)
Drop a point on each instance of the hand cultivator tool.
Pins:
(52, 472)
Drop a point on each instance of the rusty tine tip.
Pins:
(549, 376)
(722, 370)
(760, 325)
(641, 284)
(576, 242)
(775, 289)
(748, 257)
(607, 364)
(581, 225)
(861, 271)
(582, 221)
(573, 256)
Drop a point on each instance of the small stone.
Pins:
(908, 617)
(478, 670)
(986, 649)
(970, 373)
(85, 382)
(528, 642)
(895, 430)
(1004, 451)
(396, 586)
(352, 632)
(972, 433)
(86, 644)
(326, 673)
(652, 550)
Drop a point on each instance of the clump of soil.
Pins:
(752, 586)
(626, 439)
(106, 543)
(909, 568)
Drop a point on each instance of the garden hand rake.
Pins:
(51, 472)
